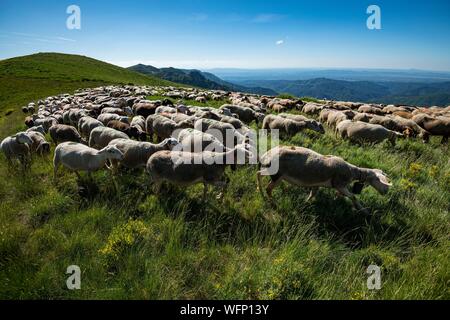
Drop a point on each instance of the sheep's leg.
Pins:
(312, 194)
(444, 140)
(345, 192)
(272, 185)
(158, 185)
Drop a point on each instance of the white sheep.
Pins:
(101, 136)
(17, 147)
(78, 157)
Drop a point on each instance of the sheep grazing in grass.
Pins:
(164, 127)
(436, 126)
(107, 117)
(136, 154)
(311, 124)
(39, 146)
(64, 133)
(87, 124)
(288, 126)
(306, 168)
(39, 129)
(17, 147)
(78, 157)
(245, 114)
(101, 136)
(197, 141)
(221, 130)
(186, 168)
(362, 132)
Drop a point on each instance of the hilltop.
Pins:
(27, 78)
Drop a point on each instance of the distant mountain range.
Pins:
(198, 78)
(411, 93)
(411, 87)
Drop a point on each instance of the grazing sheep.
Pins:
(138, 122)
(39, 146)
(29, 122)
(46, 123)
(245, 114)
(63, 133)
(145, 109)
(101, 136)
(87, 124)
(312, 108)
(39, 129)
(311, 124)
(17, 147)
(193, 140)
(118, 111)
(186, 168)
(236, 123)
(132, 132)
(221, 131)
(437, 126)
(107, 117)
(364, 117)
(306, 168)
(335, 117)
(370, 109)
(288, 126)
(164, 127)
(78, 157)
(362, 132)
(136, 154)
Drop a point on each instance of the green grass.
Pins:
(131, 243)
(28, 78)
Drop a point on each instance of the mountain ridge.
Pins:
(198, 78)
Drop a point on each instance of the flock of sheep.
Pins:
(116, 126)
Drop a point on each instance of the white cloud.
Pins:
(279, 42)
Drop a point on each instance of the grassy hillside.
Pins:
(133, 243)
(28, 78)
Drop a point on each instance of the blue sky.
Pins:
(243, 34)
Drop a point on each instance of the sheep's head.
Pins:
(181, 108)
(226, 112)
(425, 136)
(23, 138)
(112, 152)
(39, 129)
(260, 117)
(378, 179)
(43, 149)
(170, 143)
(316, 126)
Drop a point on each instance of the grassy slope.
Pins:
(28, 78)
(131, 243)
